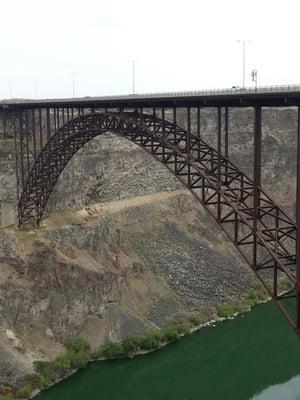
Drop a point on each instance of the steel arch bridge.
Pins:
(47, 136)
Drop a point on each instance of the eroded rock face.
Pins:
(116, 269)
(124, 248)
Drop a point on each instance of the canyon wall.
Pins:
(124, 247)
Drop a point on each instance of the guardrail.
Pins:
(233, 90)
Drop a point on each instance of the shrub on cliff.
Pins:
(183, 328)
(97, 354)
(78, 353)
(8, 396)
(76, 356)
(37, 381)
(131, 346)
(62, 364)
(197, 320)
(78, 344)
(112, 350)
(24, 392)
(78, 359)
(151, 340)
(44, 368)
(226, 310)
(170, 334)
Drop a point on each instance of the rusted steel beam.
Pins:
(226, 139)
(219, 150)
(256, 177)
(298, 228)
(188, 143)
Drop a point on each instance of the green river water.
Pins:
(256, 356)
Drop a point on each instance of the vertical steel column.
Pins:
(226, 153)
(48, 123)
(141, 128)
(199, 129)
(121, 111)
(256, 178)
(3, 114)
(54, 116)
(275, 271)
(21, 148)
(226, 143)
(163, 133)
(16, 159)
(154, 127)
(175, 137)
(58, 121)
(41, 128)
(188, 143)
(219, 148)
(27, 142)
(34, 134)
(298, 229)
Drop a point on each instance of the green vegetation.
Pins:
(24, 392)
(197, 320)
(78, 353)
(7, 397)
(252, 298)
(285, 285)
(226, 311)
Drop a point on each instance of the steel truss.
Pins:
(262, 232)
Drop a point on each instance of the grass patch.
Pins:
(252, 298)
(8, 396)
(226, 310)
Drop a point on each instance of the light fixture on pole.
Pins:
(244, 42)
(73, 73)
(133, 74)
(254, 77)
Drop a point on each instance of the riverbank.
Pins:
(107, 272)
(235, 360)
(78, 353)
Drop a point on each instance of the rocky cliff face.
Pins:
(124, 247)
(107, 271)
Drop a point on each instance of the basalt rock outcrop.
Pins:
(124, 247)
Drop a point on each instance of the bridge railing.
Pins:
(221, 91)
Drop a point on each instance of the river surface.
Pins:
(254, 357)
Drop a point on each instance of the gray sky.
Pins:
(179, 45)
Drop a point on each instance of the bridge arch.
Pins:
(260, 230)
(144, 130)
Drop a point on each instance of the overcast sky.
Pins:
(179, 45)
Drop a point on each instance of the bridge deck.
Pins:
(272, 96)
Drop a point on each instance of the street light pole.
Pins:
(254, 77)
(133, 75)
(244, 42)
(73, 81)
